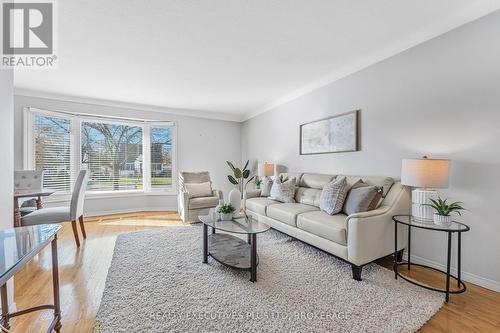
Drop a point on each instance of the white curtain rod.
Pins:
(90, 115)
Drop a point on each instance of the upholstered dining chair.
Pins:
(28, 180)
(196, 195)
(64, 214)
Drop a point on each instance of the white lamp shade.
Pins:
(268, 169)
(427, 173)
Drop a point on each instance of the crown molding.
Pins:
(475, 11)
(215, 115)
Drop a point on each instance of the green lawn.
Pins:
(124, 181)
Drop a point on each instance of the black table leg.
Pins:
(459, 266)
(213, 230)
(409, 246)
(253, 259)
(249, 239)
(395, 263)
(5, 306)
(205, 243)
(448, 262)
(55, 283)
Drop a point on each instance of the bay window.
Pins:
(120, 155)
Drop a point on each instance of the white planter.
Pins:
(235, 200)
(226, 217)
(442, 220)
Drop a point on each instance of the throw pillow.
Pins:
(362, 198)
(265, 187)
(197, 190)
(283, 191)
(333, 196)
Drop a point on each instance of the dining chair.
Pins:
(28, 180)
(64, 214)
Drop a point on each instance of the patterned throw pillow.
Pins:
(283, 191)
(333, 196)
(265, 187)
(362, 198)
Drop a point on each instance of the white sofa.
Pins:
(358, 238)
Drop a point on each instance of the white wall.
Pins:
(202, 144)
(441, 98)
(7, 148)
(7, 165)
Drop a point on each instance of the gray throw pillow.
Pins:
(362, 198)
(283, 191)
(333, 196)
(265, 187)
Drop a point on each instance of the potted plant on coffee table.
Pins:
(226, 212)
(442, 216)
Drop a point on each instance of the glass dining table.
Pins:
(17, 247)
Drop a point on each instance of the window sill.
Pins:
(63, 197)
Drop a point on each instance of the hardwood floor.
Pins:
(83, 274)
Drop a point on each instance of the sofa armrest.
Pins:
(370, 235)
(218, 194)
(371, 213)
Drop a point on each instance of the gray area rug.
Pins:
(157, 283)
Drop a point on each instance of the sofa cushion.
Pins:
(259, 205)
(205, 202)
(287, 212)
(315, 180)
(319, 223)
(307, 196)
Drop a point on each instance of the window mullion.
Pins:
(75, 149)
(146, 158)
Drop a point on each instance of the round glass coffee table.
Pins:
(228, 249)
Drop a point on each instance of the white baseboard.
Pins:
(129, 210)
(466, 276)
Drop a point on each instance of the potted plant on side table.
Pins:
(226, 212)
(442, 216)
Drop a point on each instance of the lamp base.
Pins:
(419, 198)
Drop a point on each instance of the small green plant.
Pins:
(226, 208)
(444, 208)
(257, 182)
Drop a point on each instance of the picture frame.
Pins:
(334, 134)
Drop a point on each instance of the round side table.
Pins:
(455, 227)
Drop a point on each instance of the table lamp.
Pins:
(267, 169)
(426, 174)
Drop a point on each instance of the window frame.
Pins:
(75, 152)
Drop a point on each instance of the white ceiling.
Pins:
(231, 58)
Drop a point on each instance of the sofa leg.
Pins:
(356, 272)
(399, 255)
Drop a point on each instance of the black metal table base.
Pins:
(459, 283)
(449, 276)
(237, 254)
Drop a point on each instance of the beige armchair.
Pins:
(196, 197)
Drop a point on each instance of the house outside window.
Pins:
(120, 155)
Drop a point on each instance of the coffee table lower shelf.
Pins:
(232, 251)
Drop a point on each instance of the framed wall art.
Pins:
(339, 133)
